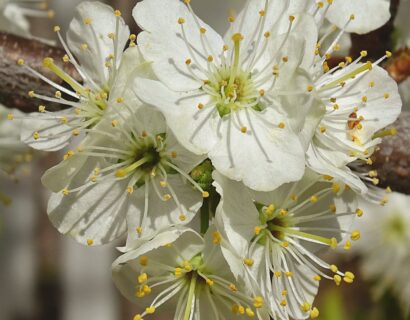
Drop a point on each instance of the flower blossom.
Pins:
(274, 238)
(131, 173)
(187, 273)
(240, 99)
(95, 43)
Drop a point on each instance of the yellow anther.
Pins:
(292, 18)
(355, 235)
(349, 59)
(314, 313)
(244, 129)
(182, 217)
(10, 117)
(187, 2)
(150, 310)
(143, 260)
(388, 190)
(283, 303)
(266, 34)
(181, 20)
(337, 279)
(93, 178)
(364, 99)
(142, 278)
(335, 187)
(41, 109)
(202, 30)
(133, 37)
(233, 287)
(363, 53)
(262, 13)
(178, 272)
(386, 95)
(359, 212)
(147, 289)
(352, 17)
(58, 94)
(347, 245)
(305, 307)
(289, 274)
(209, 282)
(261, 92)
(320, 4)
(333, 268)
(310, 88)
(120, 100)
(388, 54)
(90, 242)
(322, 129)
(140, 293)
(166, 197)
(137, 317)
(333, 243)
(231, 19)
(285, 244)
(173, 154)
(250, 313)
(114, 123)
(332, 208)
(36, 135)
(313, 199)
(130, 189)
(248, 261)
(270, 210)
(277, 274)
(281, 125)
(88, 21)
(237, 37)
(31, 94)
(225, 47)
(84, 46)
(317, 278)
(283, 212)
(258, 302)
(138, 230)
(294, 197)
(117, 13)
(216, 238)
(258, 230)
(205, 194)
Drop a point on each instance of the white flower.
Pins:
(240, 99)
(189, 275)
(359, 100)
(14, 15)
(385, 248)
(369, 14)
(130, 173)
(276, 236)
(97, 37)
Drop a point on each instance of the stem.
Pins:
(301, 234)
(205, 209)
(191, 295)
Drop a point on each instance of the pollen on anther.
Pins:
(36, 135)
(117, 13)
(248, 261)
(182, 217)
(244, 129)
(205, 194)
(281, 125)
(181, 20)
(90, 242)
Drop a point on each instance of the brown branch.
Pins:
(17, 81)
(392, 160)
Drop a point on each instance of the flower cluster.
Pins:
(226, 159)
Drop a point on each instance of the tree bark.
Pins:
(16, 81)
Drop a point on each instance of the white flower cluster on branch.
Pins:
(222, 157)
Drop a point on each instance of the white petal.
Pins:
(95, 35)
(257, 157)
(97, 213)
(191, 126)
(161, 214)
(163, 43)
(236, 213)
(369, 14)
(53, 134)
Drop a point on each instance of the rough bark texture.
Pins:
(392, 161)
(16, 81)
